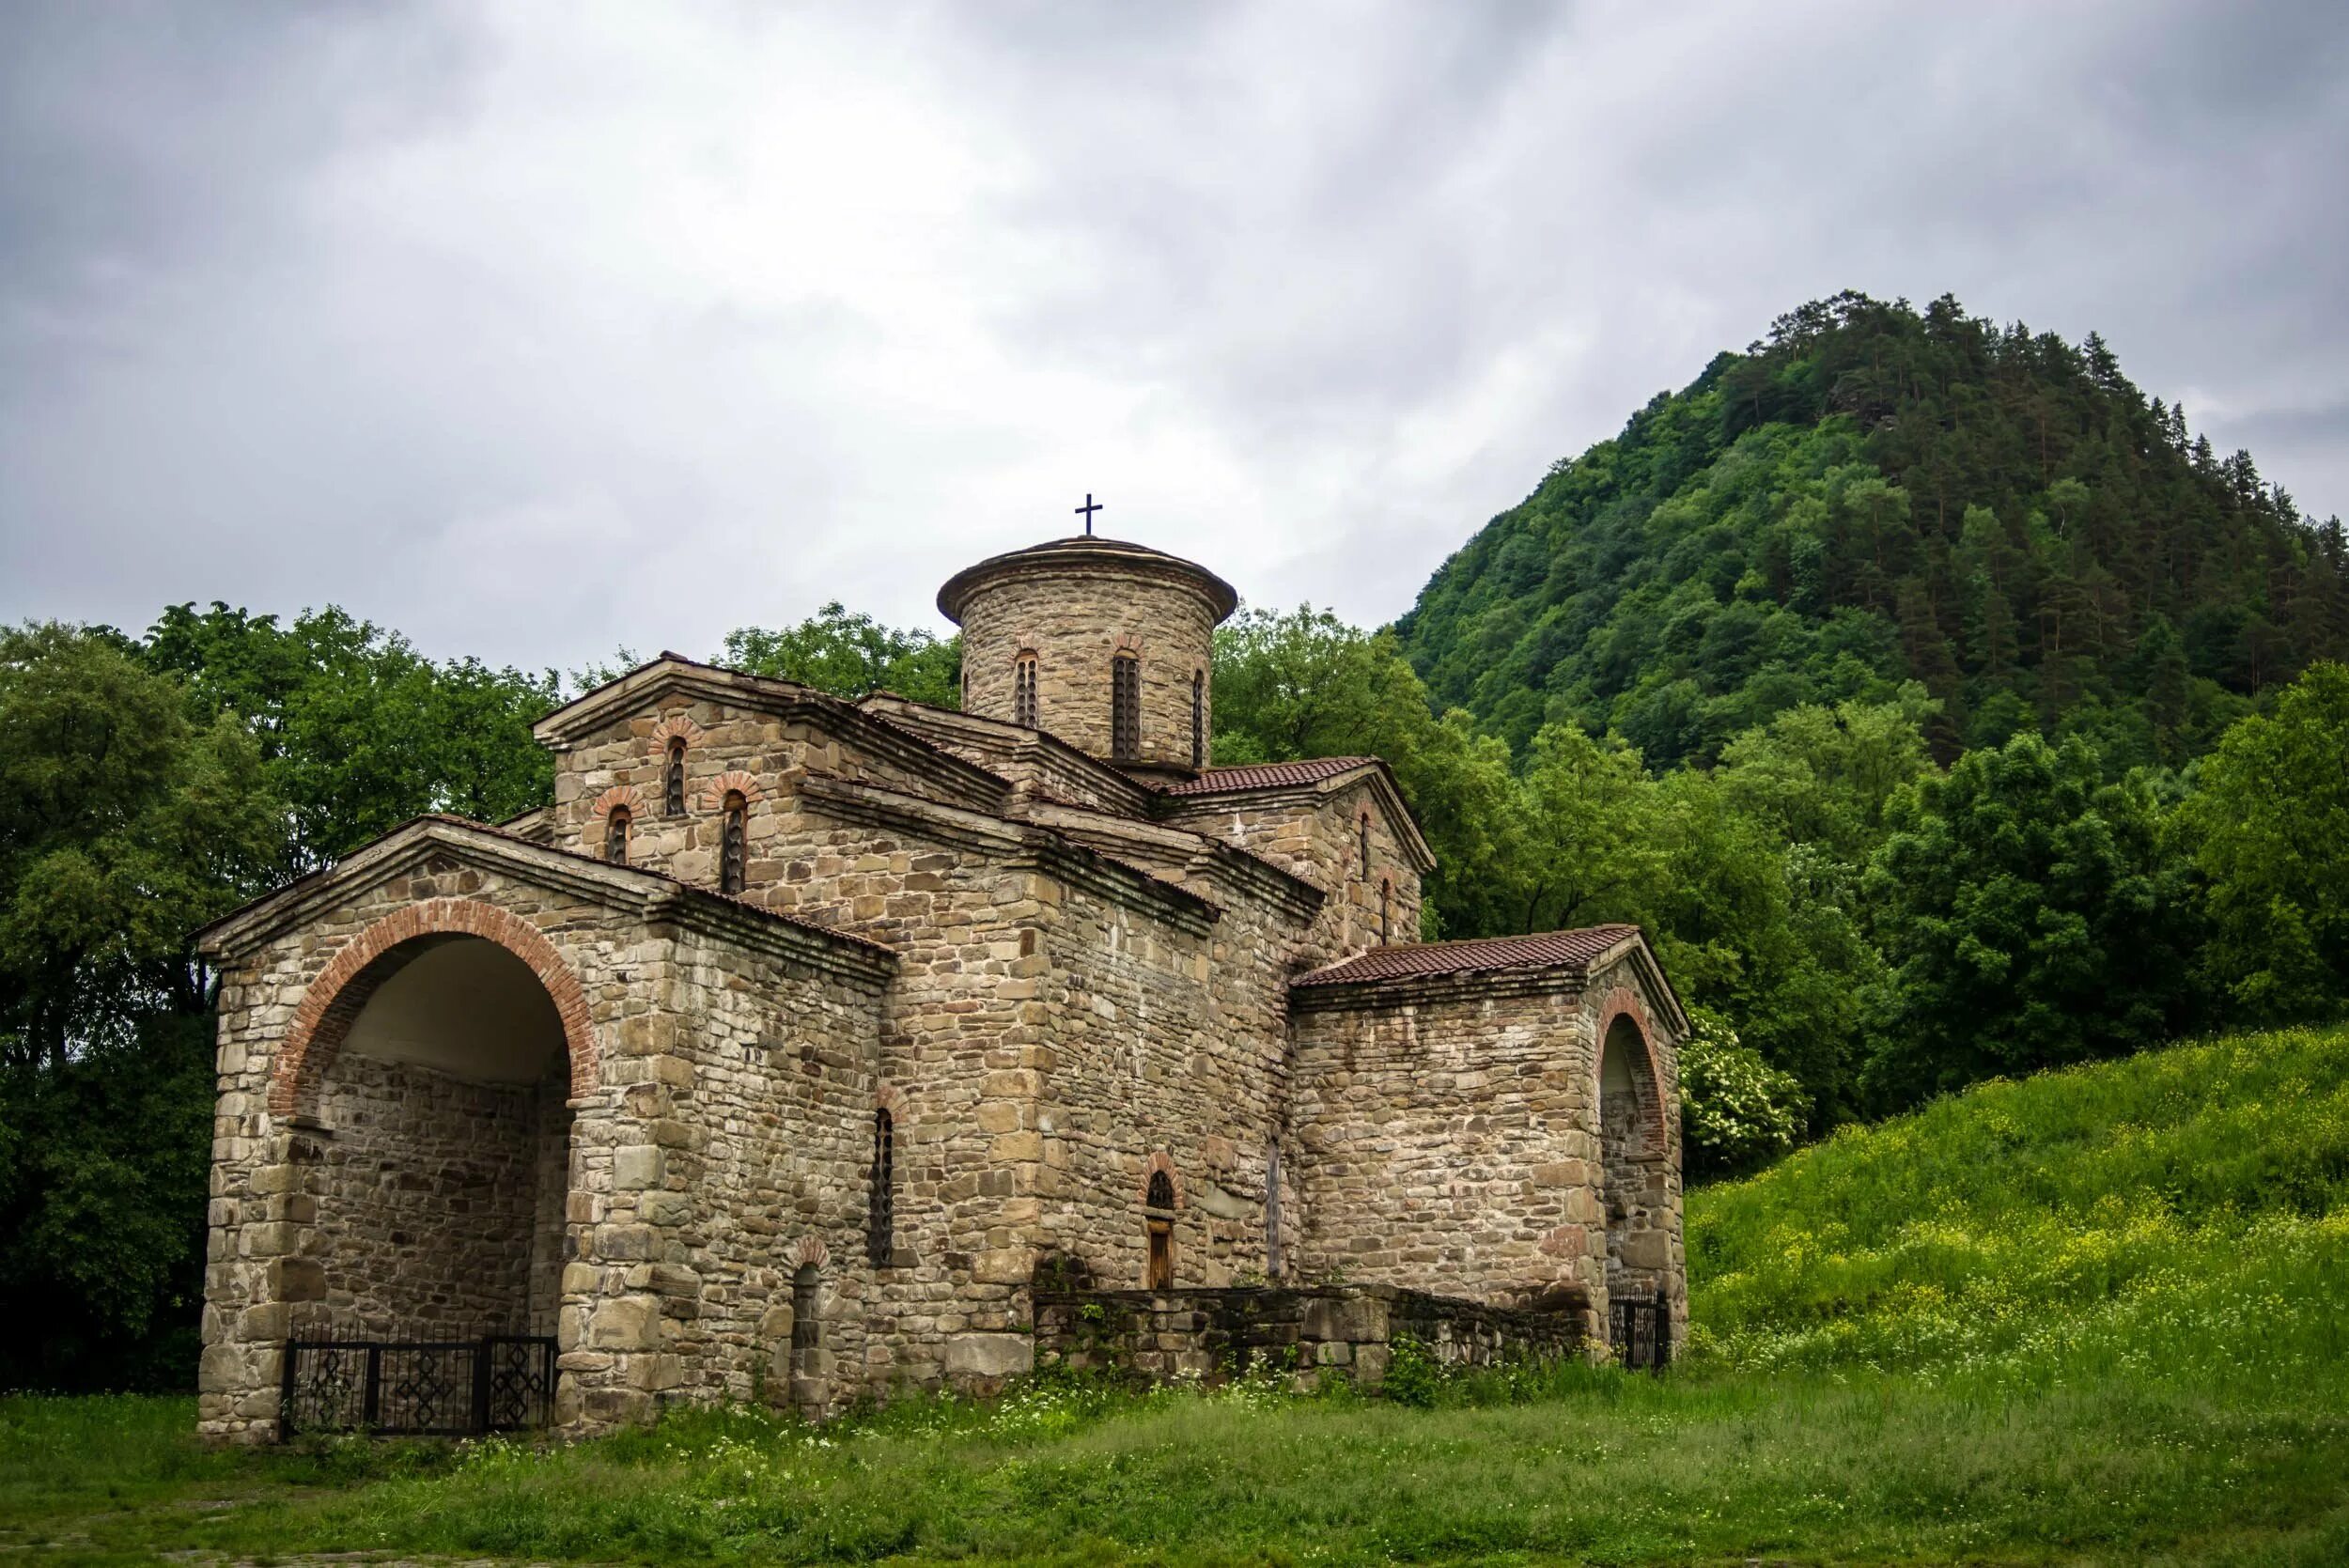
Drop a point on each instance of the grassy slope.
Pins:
(2094, 1317)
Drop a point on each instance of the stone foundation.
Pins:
(1346, 1331)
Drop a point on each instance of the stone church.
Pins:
(803, 1047)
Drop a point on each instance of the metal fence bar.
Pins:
(446, 1387)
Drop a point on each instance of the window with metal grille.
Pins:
(1199, 718)
(880, 1219)
(1023, 690)
(733, 844)
(672, 780)
(805, 1330)
(1361, 866)
(616, 836)
(1125, 706)
(1386, 911)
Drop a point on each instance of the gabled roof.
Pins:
(1268, 775)
(627, 888)
(1570, 950)
(1561, 960)
(629, 694)
(1308, 780)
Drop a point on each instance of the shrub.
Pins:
(1736, 1110)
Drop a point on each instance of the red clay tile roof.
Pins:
(1267, 775)
(1484, 956)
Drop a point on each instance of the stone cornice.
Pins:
(669, 674)
(1312, 797)
(1019, 845)
(1090, 556)
(1039, 748)
(649, 895)
(1226, 864)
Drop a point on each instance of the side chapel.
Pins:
(788, 1051)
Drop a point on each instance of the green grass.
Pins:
(2096, 1317)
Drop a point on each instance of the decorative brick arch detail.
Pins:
(336, 998)
(1625, 1002)
(1130, 644)
(811, 1252)
(619, 795)
(891, 1098)
(1157, 1165)
(714, 792)
(677, 726)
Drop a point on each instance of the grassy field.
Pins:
(2098, 1317)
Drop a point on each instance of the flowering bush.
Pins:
(1736, 1110)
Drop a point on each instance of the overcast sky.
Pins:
(536, 330)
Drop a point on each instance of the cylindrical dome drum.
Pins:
(1102, 644)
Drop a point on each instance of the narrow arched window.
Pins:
(1125, 706)
(806, 1331)
(880, 1219)
(1023, 690)
(1158, 1232)
(1199, 718)
(616, 836)
(1386, 911)
(1362, 852)
(672, 780)
(733, 844)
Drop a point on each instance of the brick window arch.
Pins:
(336, 999)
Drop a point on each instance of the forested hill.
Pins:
(1877, 494)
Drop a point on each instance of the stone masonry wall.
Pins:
(1345, 1330)
(1452, 1147)
(726, 748)
(1318, 838)
(1164, 1057)
(1640, 1149)
(1075, 619)
(429, 1190)
(650, 1127)
(961, 1040)
(759, 1105)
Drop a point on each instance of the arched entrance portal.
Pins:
(1634, 1156)
(440, 1083)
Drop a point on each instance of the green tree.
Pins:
(2031, 918)
(132, 824)
(1304, 684)
(129, 827)
(850, 654)
(357, 730)
(2269, 827)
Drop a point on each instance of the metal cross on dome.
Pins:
(1090, 508)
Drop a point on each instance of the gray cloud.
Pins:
(536, 328)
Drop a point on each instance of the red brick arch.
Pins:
(333, 1001)
(1625, 1002)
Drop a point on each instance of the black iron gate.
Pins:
(1640, 1331)
(403, 1388)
